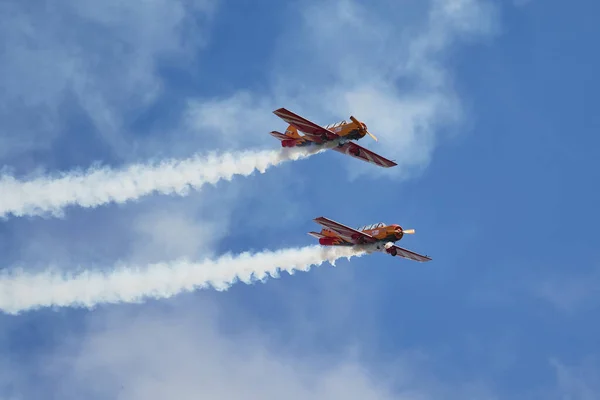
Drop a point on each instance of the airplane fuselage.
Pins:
(347, 131)
(384, 234)
(377, 237)
(341, 137)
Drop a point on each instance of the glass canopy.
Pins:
(373, 226)
(335, 124)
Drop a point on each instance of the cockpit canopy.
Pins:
(373, 226)
(344, 122)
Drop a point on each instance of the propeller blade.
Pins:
(408, 231)
(362, 127)
(373, 136)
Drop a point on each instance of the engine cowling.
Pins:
(288, 143)
(327, 241)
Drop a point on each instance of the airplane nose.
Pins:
(398, 232)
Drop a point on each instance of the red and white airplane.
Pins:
(337, 136)
(377, 237)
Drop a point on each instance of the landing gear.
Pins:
(390, 249)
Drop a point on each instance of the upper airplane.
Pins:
(339, 135)
(380, 237)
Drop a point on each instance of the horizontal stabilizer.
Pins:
(316, 235)
(278, 135)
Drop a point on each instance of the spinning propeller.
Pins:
(408, 231)
(362, 127)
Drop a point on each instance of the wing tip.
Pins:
(387, 163)
(424, 258)
(324, 221)
(281, 110)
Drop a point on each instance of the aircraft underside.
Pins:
(384, 246)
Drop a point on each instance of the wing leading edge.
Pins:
(304, 125)
(345, 232)
(411, 255)
(354, 150)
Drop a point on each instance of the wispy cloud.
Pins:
(120, 354)
(363, 71)
(384, 65)
(576, 382)
(96, 59)
(569, 294)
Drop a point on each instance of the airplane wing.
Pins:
(354, 150)
(348, 234)
(304, 125)
(410, 255)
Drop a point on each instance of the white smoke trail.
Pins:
(21, 291)
(95, 187)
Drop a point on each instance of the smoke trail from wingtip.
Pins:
(21, 291)
(98, 186)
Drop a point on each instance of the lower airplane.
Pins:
(338, 136)
(377, 237)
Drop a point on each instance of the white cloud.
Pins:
(99, 57)
(236, 121)
(163, 355)
(576, 382)
(183, 355)
(187, 349)
(569, 294)
(383, 63)
(172, 232)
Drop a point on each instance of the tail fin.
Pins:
(292, 132)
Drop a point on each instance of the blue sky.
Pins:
(489, 110)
